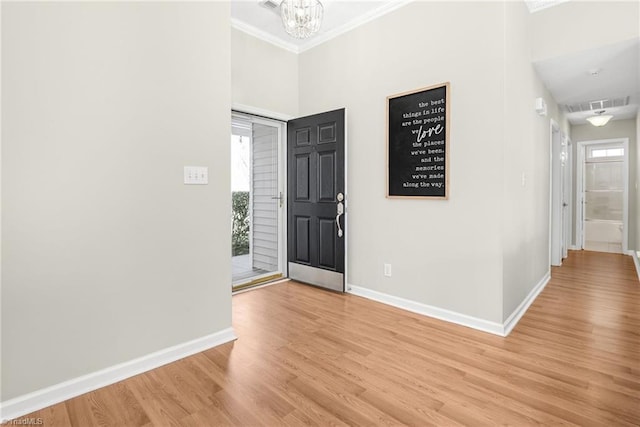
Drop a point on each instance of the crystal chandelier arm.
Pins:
(301, 18)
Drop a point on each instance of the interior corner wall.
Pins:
(613, 129)
(637, 182)
(444, 253)
(525, 223)
(263, 75)
(106, 255)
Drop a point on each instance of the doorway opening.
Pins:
(560, 203)
(602, 187)
(257, 177)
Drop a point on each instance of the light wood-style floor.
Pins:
(307, 356)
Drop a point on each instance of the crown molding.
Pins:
(263, 35)
(322, 38)
(367, 17)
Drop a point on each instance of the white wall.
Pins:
(495, 226)
(107, 256)
(525, 209)
(446, 254)
(613, 129)
(575, 26)
(263, 75)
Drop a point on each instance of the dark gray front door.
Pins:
(316, 223)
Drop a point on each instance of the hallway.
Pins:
(307, 356)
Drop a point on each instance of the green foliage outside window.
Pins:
(240, 225)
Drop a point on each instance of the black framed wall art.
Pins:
(418, 143)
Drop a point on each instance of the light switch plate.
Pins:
(198, 175)
(387, 270)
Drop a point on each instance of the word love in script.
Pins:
(428, 132)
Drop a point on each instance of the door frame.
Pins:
(346, 288)
(560, 188)
(268, 114)
(579, 209)
(266, 117)
(567, 193)
(555, 194)
(282, 217)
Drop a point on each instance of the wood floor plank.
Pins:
(305, 356)
(160, 401)
(55, 415)
(108, 406)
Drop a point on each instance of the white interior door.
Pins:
(565, 158)
(557, 178)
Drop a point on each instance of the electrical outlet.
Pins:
(387, 270)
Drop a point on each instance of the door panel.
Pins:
(303, 136)
(316, 158)
(327, 133)
(302, 178)
(327, 179)
(302, 247)
(327, 243)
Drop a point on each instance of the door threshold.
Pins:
(256, 282)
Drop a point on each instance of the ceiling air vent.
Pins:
(597, 105)
(270, 4)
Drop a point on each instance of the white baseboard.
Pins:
(517, 314)
(428, 310)
(574, 248)
(451, 316)
(45, 397)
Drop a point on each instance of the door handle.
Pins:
(278, 197)
(340, 208)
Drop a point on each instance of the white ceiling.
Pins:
(568, 78)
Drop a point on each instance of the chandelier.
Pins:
(301, 18)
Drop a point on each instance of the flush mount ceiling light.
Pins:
(301, 18)
(600, 119)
